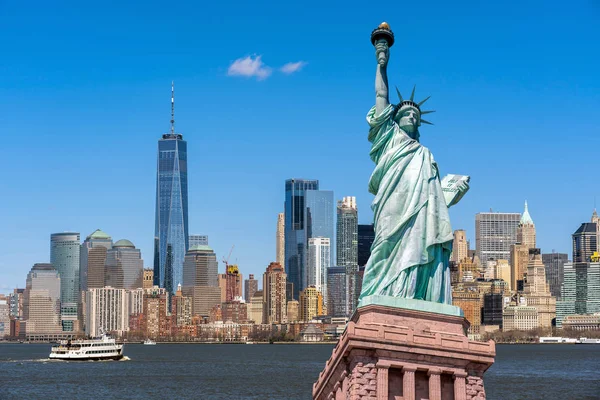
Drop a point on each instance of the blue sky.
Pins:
(84, 94)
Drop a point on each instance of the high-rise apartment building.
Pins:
(256, 307)
(366, 236)
(92, 260)
(554, 263)
(148, 281)
(198, 240)
(460, 246)
(107, 311)
(311, 304)
(4, 316)
(537, 290)
(171, 217)
(319, 258)
(124, 266)
(250, 287)
(200, 279)
(41, 301)
(280, 240)
(494, 234)
(347, 249)
(154, 322)
(181, 309)
(296, 235)
(274, 294)
(64, 257)
(293, 311)
(337, 305)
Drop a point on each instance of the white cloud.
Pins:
(249, 66)
(292, 67)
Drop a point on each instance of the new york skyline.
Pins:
(81, 126)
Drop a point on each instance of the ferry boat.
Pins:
(101, 348)
(149, 342)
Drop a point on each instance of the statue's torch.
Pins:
(383, 32)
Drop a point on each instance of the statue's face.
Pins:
(409, 119)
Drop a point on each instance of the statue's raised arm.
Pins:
(382, 38)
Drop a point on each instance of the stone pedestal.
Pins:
(405, 354)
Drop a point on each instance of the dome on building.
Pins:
(98, 234)
(200, 247)
(124, 243)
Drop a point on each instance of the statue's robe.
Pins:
(413, 238)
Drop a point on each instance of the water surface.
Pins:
(262, 371)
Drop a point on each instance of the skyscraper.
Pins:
(319, 216)
(64, 257)
(460, 246)
(554, 264)
(347, 249)
(580, 291)
(280, 240)
(537, 290)
(171, 217)
(274, 295)
(93, 259)
(319, 258)
(296, 236)
(526, 229)
(585, 242)
(198, 240)
(124, 266)
(250, 287)
(494, 234)
(200, 281)
(337, 306)
(41, 301)
(366, 236)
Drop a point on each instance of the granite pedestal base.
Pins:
(405, 354)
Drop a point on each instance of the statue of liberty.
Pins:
(413, 238)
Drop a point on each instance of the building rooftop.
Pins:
(124, 243)
(42, 267)
(586, 227)
(98, 234)
(526, 218)
(200, 247)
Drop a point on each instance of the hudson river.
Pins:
(195, 371)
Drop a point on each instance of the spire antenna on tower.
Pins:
(172, 107)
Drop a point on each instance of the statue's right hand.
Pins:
(382, 52)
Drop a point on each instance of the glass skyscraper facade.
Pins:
(296, 236)
(366, 236)
(64, 257)
(171, 218)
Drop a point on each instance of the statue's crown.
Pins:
(411, 103)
